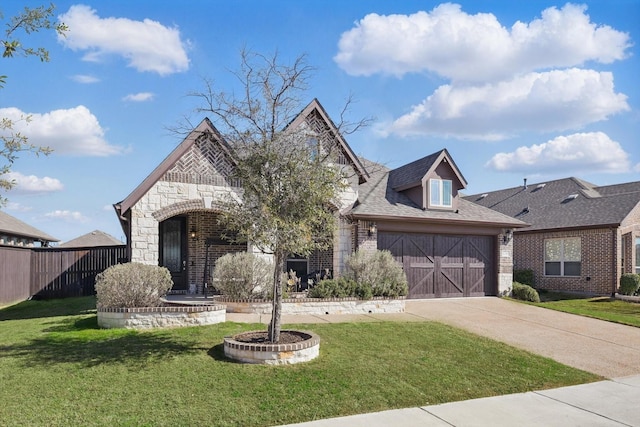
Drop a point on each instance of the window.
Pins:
(440, 191)
(562, 257)
(637, 255)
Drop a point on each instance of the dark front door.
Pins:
(173, 250)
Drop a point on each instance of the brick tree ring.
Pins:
(254, 347)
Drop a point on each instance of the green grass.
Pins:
(604, 308)
(58, 369)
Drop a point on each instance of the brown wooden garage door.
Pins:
(440, 266)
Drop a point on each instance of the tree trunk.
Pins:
(276, 312)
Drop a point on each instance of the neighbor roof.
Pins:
(13, 226)
(563, 203)
(92, 239)
(378, 200)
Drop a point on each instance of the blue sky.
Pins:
(537, 89)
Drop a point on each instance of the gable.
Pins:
(413, 179)
(316, 119)
(188, 163)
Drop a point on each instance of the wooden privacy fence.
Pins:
(53, 272)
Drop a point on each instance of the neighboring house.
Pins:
(448, 246)
(93, 239)
(581, 236)
(14, 232)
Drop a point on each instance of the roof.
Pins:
(411, 174)
(378, 199)
(15, 227)
(92, 239)
(563, 203)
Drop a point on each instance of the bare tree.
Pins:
(291, 175)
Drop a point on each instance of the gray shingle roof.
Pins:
(13, 226)
(92, 239)
(378, 199)
(551, 205)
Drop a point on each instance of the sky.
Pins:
(533, 89)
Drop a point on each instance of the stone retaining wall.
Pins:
(273, 354)
(315, 306)
(161, 317)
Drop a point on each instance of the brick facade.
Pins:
(600, 265)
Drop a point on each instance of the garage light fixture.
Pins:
(508, 234)
(372, 228)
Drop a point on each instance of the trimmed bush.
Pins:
(525, 292)
(524, 276)
(380, 271)
(629, 284)
(243, 275)
(340, 288)
(132, 285)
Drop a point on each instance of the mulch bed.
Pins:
(262, 337)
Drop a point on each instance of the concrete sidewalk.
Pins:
(605, 403)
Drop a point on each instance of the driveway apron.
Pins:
(596, 346)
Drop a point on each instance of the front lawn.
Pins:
(604, 308)
(58, 369)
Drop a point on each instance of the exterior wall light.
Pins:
(193, 233)
(372, 228)
(508, 234)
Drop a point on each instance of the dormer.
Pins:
(432, 182)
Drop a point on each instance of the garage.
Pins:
(444, 266)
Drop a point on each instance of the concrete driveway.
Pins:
(596, 346)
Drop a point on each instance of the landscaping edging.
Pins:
(273, 354)
(161, 317)
(316, 306)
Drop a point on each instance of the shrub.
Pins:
(380, 271)
(340, 288)
(132, 285)
(525, 292)
(243, 275)
(523, 276)
(629, 283)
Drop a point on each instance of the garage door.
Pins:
(439, 266)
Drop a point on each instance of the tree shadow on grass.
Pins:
(81, 342)
(217, 353)
(35, 309)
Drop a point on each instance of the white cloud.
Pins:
(74, 131)
(550, 101)
(33, 184)
(18, 207)
(147, 45)
(69, 216)
(582, 152)
(84, 79)
(463, 47)
(139, 97)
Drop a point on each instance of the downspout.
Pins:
(614, 279)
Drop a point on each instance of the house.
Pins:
(581, 237)
(14, 232)
(96, 238)
(448, 246)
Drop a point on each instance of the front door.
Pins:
(173, 250)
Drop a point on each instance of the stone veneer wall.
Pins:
(599, 266)
(505, 265)
(161, 317)
(318, 307)
(165, 200)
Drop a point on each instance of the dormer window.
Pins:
(440, 193)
